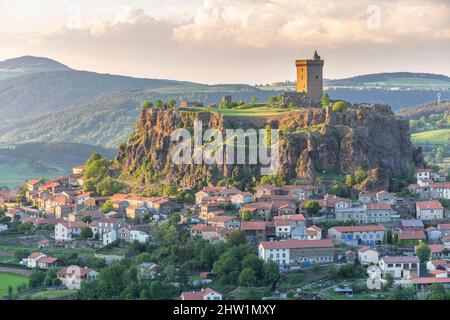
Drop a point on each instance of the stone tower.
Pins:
(310, 77)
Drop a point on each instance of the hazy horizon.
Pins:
(230, 41)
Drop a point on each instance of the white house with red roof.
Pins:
(378, 212)
(40, 260)
(366, 234)
(313, 233)
(204, 294)
(400, 267)
(224, 222)
(290, 226)
(429, 210)
(423, 174)
(73, 276)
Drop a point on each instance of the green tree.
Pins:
(108, 206)
(312, 208)
(170, 190)
(389, 281)
(247, 277)
(437, 292)
(147, 104)
(325, 100)
(247, 215)
(25, 227)
(10, 291)
(86, 233)
(339, 106)
(36, 278)
(271, 273)
(86, 219)
(171, 103)
(423, 252)
(253, 100)
(159, 104)
(399, 293)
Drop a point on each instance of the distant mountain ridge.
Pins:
(385, 77)
(44, 100)
(17, 67)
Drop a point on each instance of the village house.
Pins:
(209, 233)
(440, 190)
(103, 227)
(357, 214)
(378, 212)
(15, 213)
(204, 294)
(242, 198)
(400, 267)
(224, 192)
(78, 169)
(444, 229)
(386, 197)
(365, 197)
(68, 231)
(94, 203)
(224, 222)
(207, 208)
(409, 238)
(438, 264)
(136, 212)
(93, 214)
(422, 174)
(368, 256)
(260, 210)
(438, 251)
(129, 233)
(33, 185)
(313, 233)
(149, 270)
(82, 198)
(353, 235)
(290, 226)
(298, 193)
(40, 260)
(429, 210)
(258, 231)
(411, 225)
(291, 254)
(73, 276)
(334, 203)
(423, 284)
(433, 234)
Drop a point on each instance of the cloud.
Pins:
(253, 41)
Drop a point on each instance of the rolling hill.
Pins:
(17, 67)
(44, 100)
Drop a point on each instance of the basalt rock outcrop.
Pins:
(313, 142)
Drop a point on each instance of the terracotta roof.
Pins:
(258, 206)
(365, 249)
(378, 206)
(48, 260)
(315, 228)
(369, 228)
(431, 280)
(221, 219)
(75, 269)
(427, 205)
(443, 185)
(311, 233)
(445, 226)
(424, 170)
(205, 228)
(297, 244)
(436, 248)
(254, 225)
(35, 255)
(290, 217)
(196, 295)
(437, 271)
(74, 224)
(411, 235)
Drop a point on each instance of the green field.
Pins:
(14, 175)
(240, 111)
(7, 279)
(440, 137)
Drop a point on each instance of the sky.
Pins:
(230, 41)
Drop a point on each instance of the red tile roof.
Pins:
(297, 244)
(35, 255)
(290, 217)
(445, 226)
(48, 260)
(412, 235)
(378, 206)
(436, 248)
(431, 280)
(196, 295)
(221, 219)
(429, 205)
(254, 225)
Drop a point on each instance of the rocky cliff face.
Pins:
(313, 142)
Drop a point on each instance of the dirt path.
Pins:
(20, 272)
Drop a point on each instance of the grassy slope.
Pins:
(12, 280)
(441, 137)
